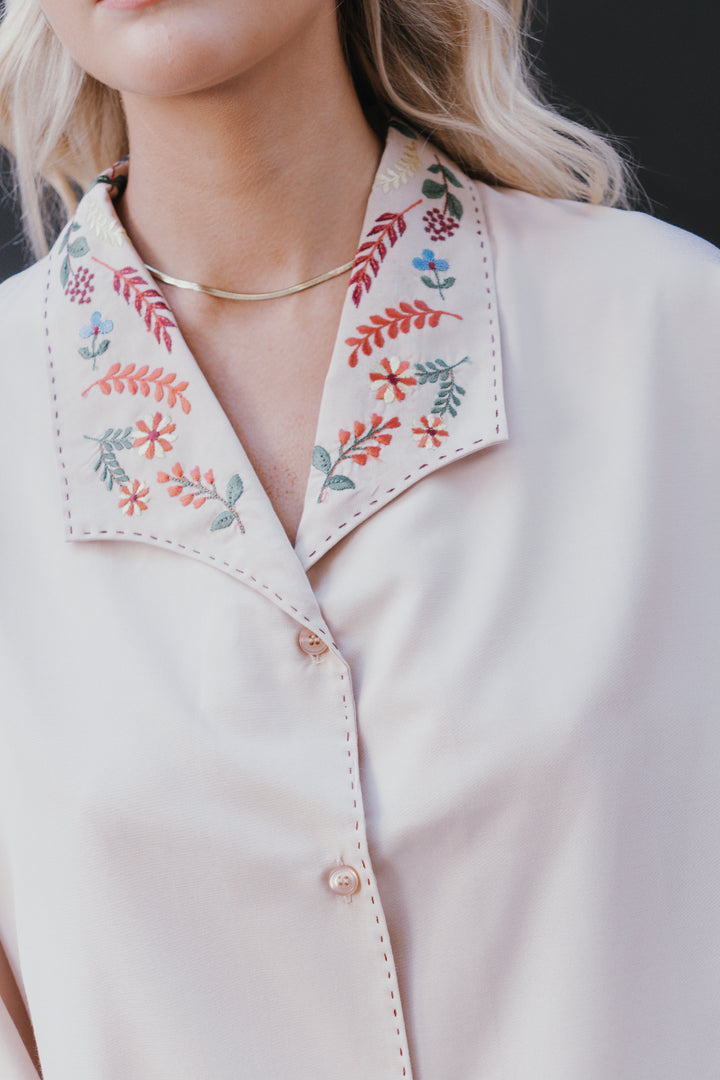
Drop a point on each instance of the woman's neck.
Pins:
(257, 184)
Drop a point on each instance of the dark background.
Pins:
(647, 71)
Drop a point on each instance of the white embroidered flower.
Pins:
(393, 383)
(154, 435)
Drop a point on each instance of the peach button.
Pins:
(310, 643)
(344, 880)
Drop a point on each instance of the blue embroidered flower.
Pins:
(429, 262)
(436, 267)
(98, 325)
(94, 328)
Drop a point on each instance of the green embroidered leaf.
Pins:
(105, 345)
(340, 483)
(450, 176)
(428, 281)
(78, 247)
(432, 190)
(85, 353)
(66, 237)
(65, 272)
(436, 168)
(433, 376)
(445, 285)
(121, 440)
(321, 459)
(403, 129)
(455, 207)
(441, 363)
(234, 491)
(222, 521)
(459, 390)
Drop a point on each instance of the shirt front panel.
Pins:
(520, 796)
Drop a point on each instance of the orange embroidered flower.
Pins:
(135, 498)
(154, 435)
(389, 374)
(430, 431)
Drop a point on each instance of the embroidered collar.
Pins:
(414, 382)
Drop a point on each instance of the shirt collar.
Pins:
(414, 382)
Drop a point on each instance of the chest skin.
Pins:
(266, 363)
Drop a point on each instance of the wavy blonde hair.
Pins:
(457, 71)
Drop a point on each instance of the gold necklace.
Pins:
(180, 284)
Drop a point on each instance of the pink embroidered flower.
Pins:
(389, 374)
(154, 435)
(135, 498)
(430, 431)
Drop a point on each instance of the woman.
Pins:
(343, 734)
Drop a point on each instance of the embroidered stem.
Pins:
(386, 230)
(364, 444)
(447, 399)
(399, 320)
(107, 465)
(198, 493)
(147, 301)
(437, 189)
(141, 379)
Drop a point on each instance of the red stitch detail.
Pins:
(349, 752)
(183, 547)
(54, 398)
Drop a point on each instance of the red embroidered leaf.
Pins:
(161, 384)
(396, 320)
(371, 254)
(147, 302)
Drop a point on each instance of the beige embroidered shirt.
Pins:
(434, 793)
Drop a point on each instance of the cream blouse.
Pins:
(435, 793)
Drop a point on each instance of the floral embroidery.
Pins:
(96, 326)
(447, 399)
(154, 436)
(136, 498)
(193, 491)
(148, 302)
(402, 171)
(103, 226)
(390, 375)
(437, 266)
(429, 431)
(387, 229)
(77, 283)
(142, 379)
(107, 465)
(365, 444)
(441, 224)
(399, 320)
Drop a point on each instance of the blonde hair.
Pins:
(457, 71)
